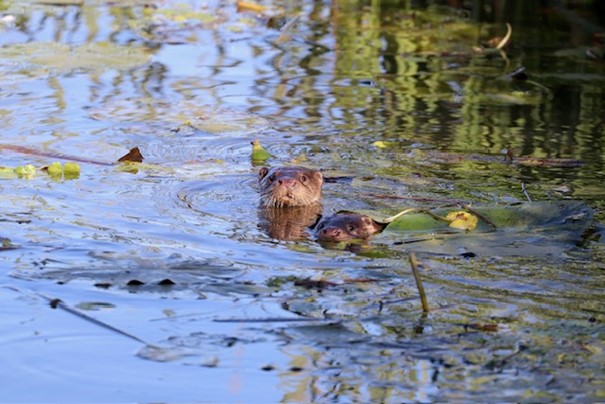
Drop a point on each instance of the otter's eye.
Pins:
(303, 178)
(351, 228)
(272, 178)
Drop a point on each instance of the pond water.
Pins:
(401, 104)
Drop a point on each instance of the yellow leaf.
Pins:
(381, 144)
(462, 220)
(248, 6)
(55, 169)
(259, 153)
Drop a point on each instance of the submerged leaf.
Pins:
(90, 56)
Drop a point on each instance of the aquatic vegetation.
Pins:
(55, 56)
(449, 115)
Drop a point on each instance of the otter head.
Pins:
(289, 186)
(344, 226)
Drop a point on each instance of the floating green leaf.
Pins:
(561, 216)
(55, 169)
(259, 153)
(7, 172)
(27, 171)
(71, 171)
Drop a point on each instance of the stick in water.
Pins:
(59, 304)
(525, 192)
(423, 301)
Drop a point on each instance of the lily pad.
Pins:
(562, 217)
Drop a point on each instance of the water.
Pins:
(174, 253)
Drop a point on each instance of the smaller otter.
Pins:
(344, 226)
(282, 187)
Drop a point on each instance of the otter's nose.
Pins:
(330, 233)
(287, 182)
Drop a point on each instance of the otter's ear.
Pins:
(262, 173)
(317, 220)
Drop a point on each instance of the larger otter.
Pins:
(283, 187)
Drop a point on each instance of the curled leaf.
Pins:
(133, 156)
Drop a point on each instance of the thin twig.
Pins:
(398, 215)
(479, 215)
(58, 303)
(525, 192)
(268, 320)
(421, 292)
(504, 41)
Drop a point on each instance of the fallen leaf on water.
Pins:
(7, 172)
(71, 170)
(249, 6)
(380, 144)
(133, 156)
(55, 169)
(259, 153)
(27, 171)
(462, 220)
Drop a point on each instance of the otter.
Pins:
(283, 187)
(345, 226)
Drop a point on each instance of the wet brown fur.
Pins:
(282, 187)
(344, 226)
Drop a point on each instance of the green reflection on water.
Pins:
(212, 79)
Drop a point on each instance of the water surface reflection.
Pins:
(390, 96)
